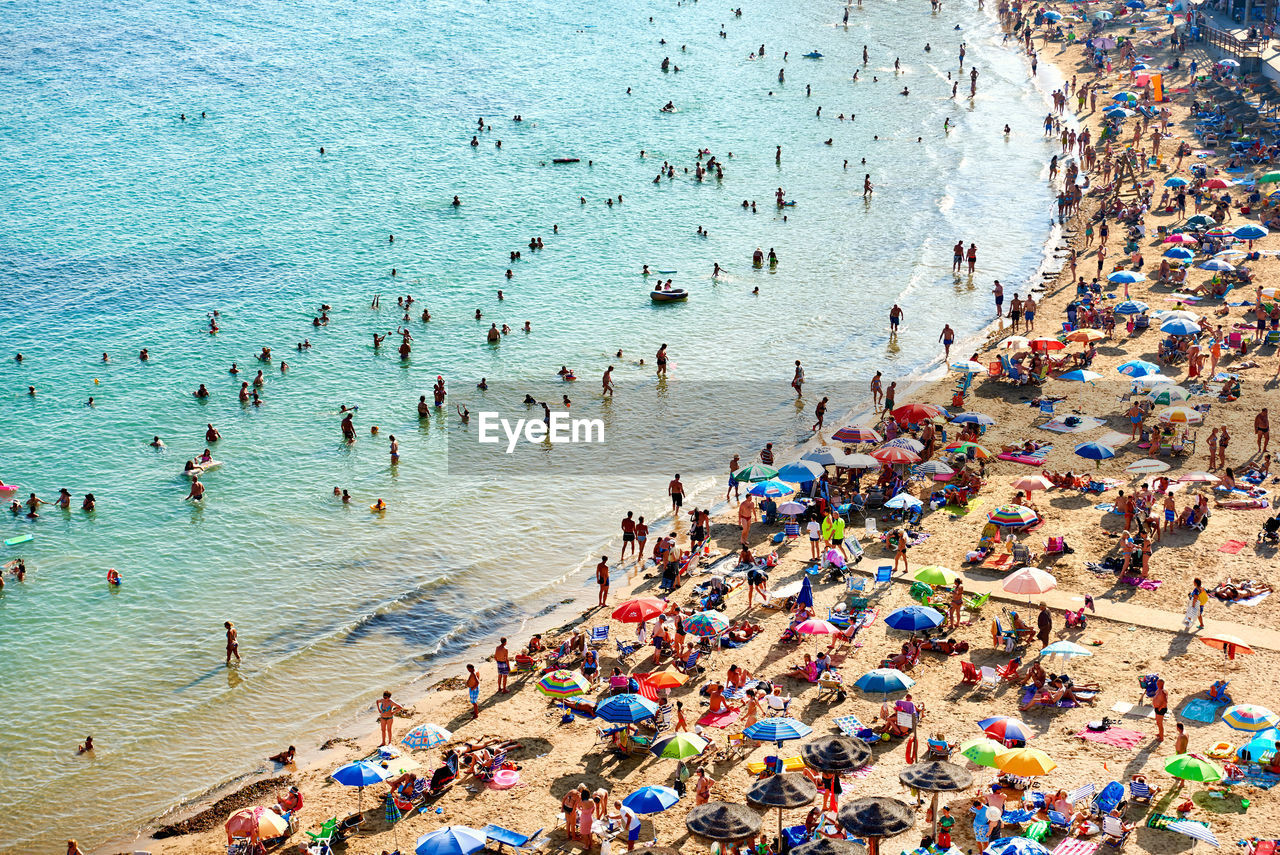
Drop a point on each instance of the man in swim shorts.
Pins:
(895, 318)
(473, 691)
(628, 536)
(503, 660)
(998, 291)
(676, 491)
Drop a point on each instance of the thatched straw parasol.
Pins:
(723, 821)
(830, 846)
(783, 792)
(875, 818)
(835, 754)
(936, 776)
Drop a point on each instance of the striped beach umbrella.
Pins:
(626, 709)
(1179, 326)
(968, 449)
(1168, 395)
(910, 443)
(972, 419)
(426, 736)
(563, 684)
(778, 729)
(1217, 265)
(895, 454)
(1218, 184)
(754, 472)
(1132, 307)
(1250, 232)
(935, 469)
(1250, 717)
(1003, 728)
(1015, 515)
(706, 624)
(1180, 416)
(1193, 829)
(856, 433)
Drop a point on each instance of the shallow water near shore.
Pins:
(126, 226)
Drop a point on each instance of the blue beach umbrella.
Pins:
(772, 489)
(1116, 110)
(1095, 451)
(903, 501)
(1128, 97)
(883, 681)
(1250, 232)
(1102, 16)
(1015, 845)
(1180, 326)
(1080, 375)
(651, 799)
(626, 709)
(972, 419)
(1217, 265)
(1132, 307)
(1179, 253)
(360, 774)
(450, 840)
(1136, 4)
(800, 471)
(1262, 742)
(914, 618)
(1055, 17)
(778, 729)
(1129, 276)
(1138, 368)
(1176, 181)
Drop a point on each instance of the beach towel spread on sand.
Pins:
(1118, 737)
(720, 719)
(1072, 846)
(1035, 458)
(1232, 547)
(1079, 424)
(1202, 710)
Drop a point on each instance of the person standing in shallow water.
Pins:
(233, 643)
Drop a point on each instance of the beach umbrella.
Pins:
(1080, 375)
(936, 776)
(935, 469)
(626, 709)
(1262, 742)
(450, 840)
(1015, 342)
(981, 750)
(1221, 232)
(1250, 717)
(1116, 111)
(884, 681)
(1103, 42)
(679, 746)
(875, 818)
(817, 626)
(910, 443)
(1003, 729)
(706, 624)
(1179, 253)
(1179, 326)
(753, 472)
(858, 461)
(1086, 336)
(426, 736)
(563, 684)
(1180, 416)
(1151, 381)
(1178, 313)
(256, 823)
(777, 729)
(791, 508)
(1229, 644)
(1015, 845)
(830, 846)
(1199, 476)
(772, 489)
(822, 456)
(1218, 184)
(783, 792)
(1217, 265)
(1127, 276)
(1168, 395)
(1125, 96)
(1030, 580)
(968, 367)
(1025, 762)
(723, 821)
(1013, 515)
(968, 449)
(1066, 649)
(972, 419)
(935, 575)
(1250, 232)
(1189, 767)
(1200, 221)
(1147, 466)
(1046, 344)
(1229, 61)
(1031, 483)
(1269, 178)
(1095, 451)
(640, 609)
(1175, 181)
(914, 618)
(800, 472)
(360, 774)
(916, 413)
(651, 799)
(666, 679)
(903, 501)
(836, 754)
(895, 455)
(856, 433)
(1131, 307)
(1179, 237)
(1194, 830)
(1053, 16)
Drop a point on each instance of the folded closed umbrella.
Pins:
(651, 799)
(450, 840)
(723, 821)
(836, 754)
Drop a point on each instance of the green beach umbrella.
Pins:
(981, 750)
(754, 472)
(935, 575)
(1189, 767)
(1269, 178)
(679, 746)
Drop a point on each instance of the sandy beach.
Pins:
(1133, 630)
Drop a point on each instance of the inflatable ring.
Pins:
(505, 779)
(1222, 750)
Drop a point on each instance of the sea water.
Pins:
(125, 226)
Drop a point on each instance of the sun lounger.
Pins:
(507, 837)
(789, 764)
(850, 726)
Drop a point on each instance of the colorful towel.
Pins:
(1058, 424)
(1202, 710)
(1162, 820)
(1232, 547)
(868, 618)
(1249, 601)
(1139, 582)
(1034, 459)
(1118, 737)
(1073, 846)
(720, 719)
(1262, 780)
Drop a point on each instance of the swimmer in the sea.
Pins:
(156, 443)
(483, 384)
(463, 414)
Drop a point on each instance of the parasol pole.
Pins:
(933, 810)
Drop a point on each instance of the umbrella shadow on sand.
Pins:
(1178, 646)
(1228, 803)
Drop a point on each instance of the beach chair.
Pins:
(789, 764)
(1141, 791)
(526, 664)
(975, 604)
(507, 837)
(324, 836)
(884, 574)
(1114, 831)
(1002, 638)
(989, 677)
(689, 664)
(626, 649)
(1059, 821)
(486, 773)
(969, 673)
(599, 635)
(830, 687)
(606, 735)
(240, 846)
(664, 718)
(349, 826)
(938, 749)
(791, 531)
(1009, 671)
(1023, 555)
(855, 585)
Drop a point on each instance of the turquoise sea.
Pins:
(125, 226)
